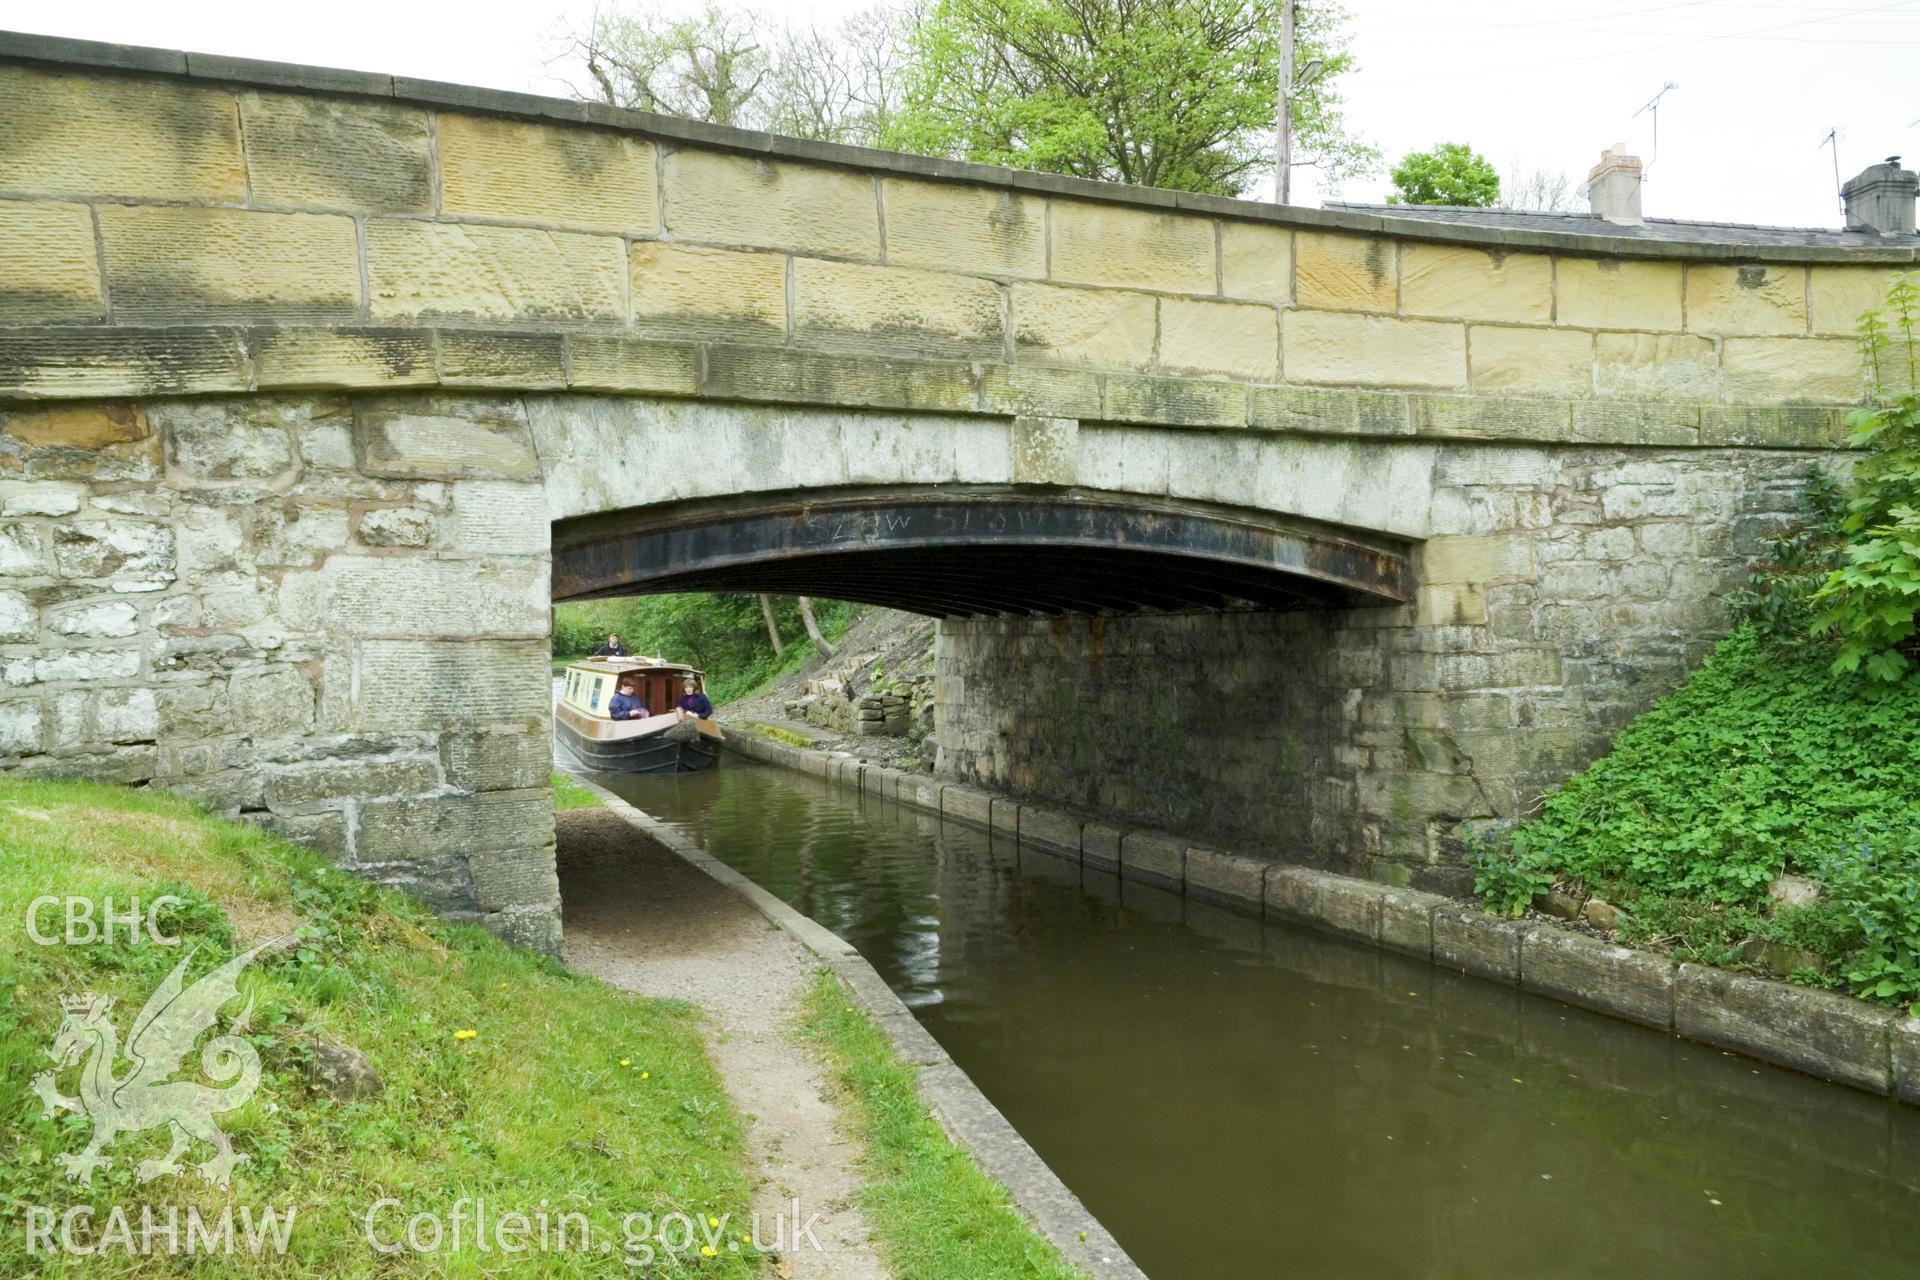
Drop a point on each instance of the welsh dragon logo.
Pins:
(145, 1097)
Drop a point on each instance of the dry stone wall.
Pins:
(324, 616)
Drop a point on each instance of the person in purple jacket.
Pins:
(626, 704)
(694, 702)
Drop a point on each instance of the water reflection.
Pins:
(1234, 1099)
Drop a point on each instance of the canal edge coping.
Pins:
(966, 1114)
(1824, 1034)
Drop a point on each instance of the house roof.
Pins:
(1654, 230)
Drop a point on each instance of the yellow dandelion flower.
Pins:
(713, 1221)
(467, 1034)
(646, 1075)
(626, 1062)
(706, 1251)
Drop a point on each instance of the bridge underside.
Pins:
(981, 551)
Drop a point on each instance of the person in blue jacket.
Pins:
(694, 702)
(626, 704)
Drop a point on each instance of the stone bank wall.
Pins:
(1562, 592)
(325, 616)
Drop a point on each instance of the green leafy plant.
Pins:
(1451, 173)
(1870, 600)
(1777, 598)
(1875, 884)
(1505, 871)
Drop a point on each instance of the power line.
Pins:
(1627, 53)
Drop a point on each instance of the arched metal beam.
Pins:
(958, 551)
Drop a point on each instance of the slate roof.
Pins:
(1659, 230)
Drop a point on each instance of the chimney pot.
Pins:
(1880, 199)
(1614, 186)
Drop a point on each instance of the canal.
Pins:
(1238, 1099)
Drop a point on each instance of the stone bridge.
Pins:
(1312, 532)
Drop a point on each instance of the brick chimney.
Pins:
(1614, 186)
(1881, 199)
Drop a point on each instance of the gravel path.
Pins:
(640, 918)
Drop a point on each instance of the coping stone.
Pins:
(1594, 974)
(1470, 940)
(1153, 859)
(1832, 1036)
(1227, 879)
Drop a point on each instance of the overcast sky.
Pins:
(1547, 83)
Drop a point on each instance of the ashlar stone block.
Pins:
(1131, 248)
(463, 270)
(683, 289)
(1617, 293)
(49, 271)
(80, 133)
(770, 204)
(1380, 351)
(1106, 328)
(549, 174)
(233, 265)
(1473, 284)
(855, 307)
(1338, 272)
(1746, 300)
(954, 227)
(1229, 338)
(331, 153)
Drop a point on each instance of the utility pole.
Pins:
(1290, 87)
(1283, 111)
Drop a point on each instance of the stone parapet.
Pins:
(183, 224)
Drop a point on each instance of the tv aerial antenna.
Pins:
(1652, 108)
(1832, 139)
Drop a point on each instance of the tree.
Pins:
(1536, 189)
(773, 626)
(813, 627)
(1451, 173)
(727, 66)
(840, 86)
(1162, 93)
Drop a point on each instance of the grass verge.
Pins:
(936, 1214)
(774, 731)
(507, 1078)
(568, 794)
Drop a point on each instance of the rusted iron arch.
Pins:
(981, 550)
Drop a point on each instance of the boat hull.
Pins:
(678, 749)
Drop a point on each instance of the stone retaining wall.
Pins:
(1821, 1033)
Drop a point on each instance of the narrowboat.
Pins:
(666, 741)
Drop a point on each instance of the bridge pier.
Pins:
(326, 618)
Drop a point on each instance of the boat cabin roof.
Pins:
(627, 666)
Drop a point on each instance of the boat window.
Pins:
(593, 695)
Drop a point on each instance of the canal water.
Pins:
(1239, 1100)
